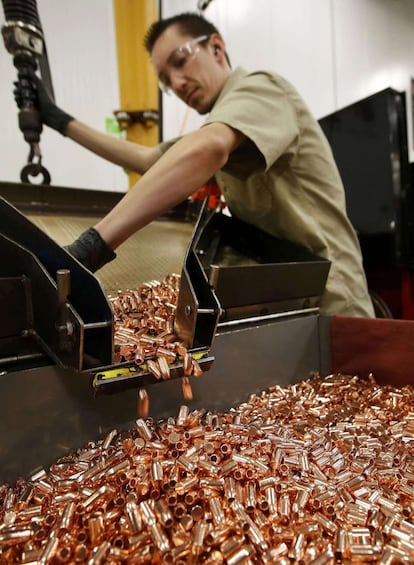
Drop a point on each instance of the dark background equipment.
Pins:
(369, 143)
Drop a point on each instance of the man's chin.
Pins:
(201, 109)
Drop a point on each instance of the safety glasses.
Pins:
(178, 59)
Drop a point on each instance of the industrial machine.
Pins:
(246, 307)
(23, 38)
(58, 381)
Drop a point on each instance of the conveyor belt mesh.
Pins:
(154, 252)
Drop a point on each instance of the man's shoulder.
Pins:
(241, 77)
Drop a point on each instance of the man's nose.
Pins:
(177, 81)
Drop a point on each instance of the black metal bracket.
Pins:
(117, 378)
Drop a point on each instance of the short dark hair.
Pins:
(189, 23)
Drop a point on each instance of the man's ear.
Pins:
(217, 42)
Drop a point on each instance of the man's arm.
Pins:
(121, 152)
(186, 166)
(127, 154)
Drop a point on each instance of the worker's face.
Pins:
(195, 69)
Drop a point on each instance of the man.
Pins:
(259, 140)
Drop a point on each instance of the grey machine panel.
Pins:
(48, 411)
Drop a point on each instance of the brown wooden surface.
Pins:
(382, 347)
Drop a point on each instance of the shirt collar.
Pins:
(234, 76)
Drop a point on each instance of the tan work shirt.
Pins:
(283, 179)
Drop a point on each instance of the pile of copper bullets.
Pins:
(319, 472)
(144, 333)
(140, 315)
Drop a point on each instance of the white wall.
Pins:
(80, 38)
(334, 51)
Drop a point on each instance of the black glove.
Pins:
(91, 250)
(50, 114)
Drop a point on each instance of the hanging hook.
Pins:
(33, 169)
(203, 5)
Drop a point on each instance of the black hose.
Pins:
(22, 11)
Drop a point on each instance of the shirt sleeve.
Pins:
(258, 106)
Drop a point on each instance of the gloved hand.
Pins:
(91, 250)
(50, 114)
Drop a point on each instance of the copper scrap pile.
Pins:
(144, 332)
(319, 472)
